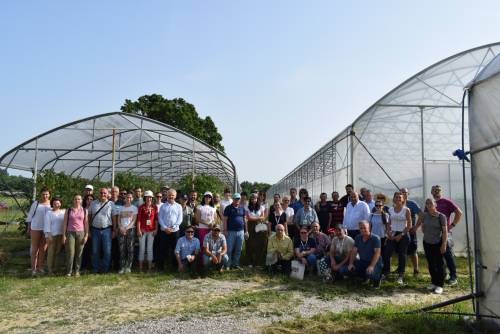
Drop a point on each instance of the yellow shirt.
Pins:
(284, 246)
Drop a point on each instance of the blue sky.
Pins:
(288, 75)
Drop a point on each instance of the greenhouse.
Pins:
(98, 146)
(405, 139)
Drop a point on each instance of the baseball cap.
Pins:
(207, 193)
(236, 196)
(89, 186)
(148, 193)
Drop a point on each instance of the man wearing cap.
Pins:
(215, 249)
(169, 218)
(280, 251)
(187, 215)
(236, 230)
(88, 190)
(187, 250)
(447, 208)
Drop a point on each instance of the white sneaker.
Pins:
(121, 272)
(400, 280)
(128, 270)
(432, 287)
(453, 282)
(438, 290)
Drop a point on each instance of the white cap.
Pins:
(89, 186)
(148, 193)
(207, 193)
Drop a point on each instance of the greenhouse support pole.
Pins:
(192, 176)
(424, 180)
(113, 160)
(35, 169)
(351, 137)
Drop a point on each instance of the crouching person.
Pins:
(187, 250)
(215, 249)
(330, 266)
(367, 247)
(280, 251)
(305, 247)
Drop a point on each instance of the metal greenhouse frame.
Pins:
(97, 146)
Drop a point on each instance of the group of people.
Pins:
(356, 234)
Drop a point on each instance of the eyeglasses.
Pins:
(379, 205)
(103, 193)
(189, 232)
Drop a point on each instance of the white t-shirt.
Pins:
(207, 215)
(224, 203)
(256, 214)
(289, 214)
(37, 217)
(126, 216)
(53, 223)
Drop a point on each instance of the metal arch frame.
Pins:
(422, 77)
(225, 162)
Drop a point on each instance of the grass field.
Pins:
(276, 304)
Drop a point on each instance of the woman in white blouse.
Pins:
(53, 229)
(35, 220)
(205, 216)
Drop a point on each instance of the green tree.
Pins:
(202, 183)
(177, 113)
(249, 187)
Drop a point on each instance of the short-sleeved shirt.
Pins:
(103, 217)
(214, 246)
(433, 227)
(296, 205)
(289, 213)
(187, 216)
(414, 210)
(126, 215)
(377, 223)
(304, 245)
(137, 202)
(235, 218)
(305, 218)
(366, 249)
(185, 247)
(207, 214)
(147, 218)
(275, 219)
(446, 207)
(337, 210)
(36, 215)
(341, 247)
(322, 243)
(323, 212)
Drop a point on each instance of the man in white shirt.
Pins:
(355, 212)
(169, 218)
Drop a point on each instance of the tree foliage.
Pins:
(202, 183)
(15, 183)
(249, 187)
(177, 113)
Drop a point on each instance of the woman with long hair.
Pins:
(256, 245)
(53, 229)
(35, 220)
(75, 235)
(205, 216)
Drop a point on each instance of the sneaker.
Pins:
(77, 274)
(250, 266)
(34, 273)
(432, 287)
(68, 275)
(400, 280)
(237, 268)
(128, 271)
(438, 290)
(383, 277)
(121, 272)
(366, 282)
(453, 281)
(376, 284)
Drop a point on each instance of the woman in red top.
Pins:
(147, 221)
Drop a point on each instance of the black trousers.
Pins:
(435, 263)
(286, 266)
(167, 248)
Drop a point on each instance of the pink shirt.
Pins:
(75, 220)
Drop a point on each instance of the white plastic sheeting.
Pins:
(411, 132)
(142, 146)
(484, 131)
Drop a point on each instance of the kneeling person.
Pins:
(305, 247)
(340, 249)
(187, 250)
(215, 249)
(280, 251)
(367, 246)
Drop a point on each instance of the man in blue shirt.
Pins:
(412, 246)
(169, 218)
(187, 250)
(369, 265)
(235, 229)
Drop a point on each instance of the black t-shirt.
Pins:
(304, 246)
(275, 220)
(344, 200)
(323, 213)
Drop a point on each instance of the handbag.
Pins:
(298, 269)
(260, 227)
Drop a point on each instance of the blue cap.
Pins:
(236, 196)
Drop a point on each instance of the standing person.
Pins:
(257, 232)
(323, 210)
(101, 217)
(158, 201)
(367, 249)
(86, 262)
(347, 197)
(379, 219)
(280, 251)
(164, 193)
(305, 216)
(115, 246)
(169, 218)
(362, 194)
(53, 229)
(215, 249)
(413, 244)
(355, 212)
(290, 228)
(236, 230)
(305, 248)
(244, 200)
(115, 194)
(369, 199)
(88, 190)
(435, 231)
(275, 217)
(75, 235)
(397, 234)
(276, 199)
(193, 200)
(187, 215)
(293, 198)
(121, 198)
(263, 202)
(138, 200)
(217, 206)
(205, 215)
(226, 201)
(187, 250)
(337, 210)
(383, 198)
(35, 220)
(147, 222)
(447, 207)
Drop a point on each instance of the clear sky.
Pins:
(279, 78)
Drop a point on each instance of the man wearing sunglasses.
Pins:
(186, 251)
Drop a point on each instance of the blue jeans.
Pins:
(311, 260)
(449, 257)
(101, 239)
(234, 246)
(208, 263)
(360, 270)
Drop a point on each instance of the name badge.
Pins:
(148, 222)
